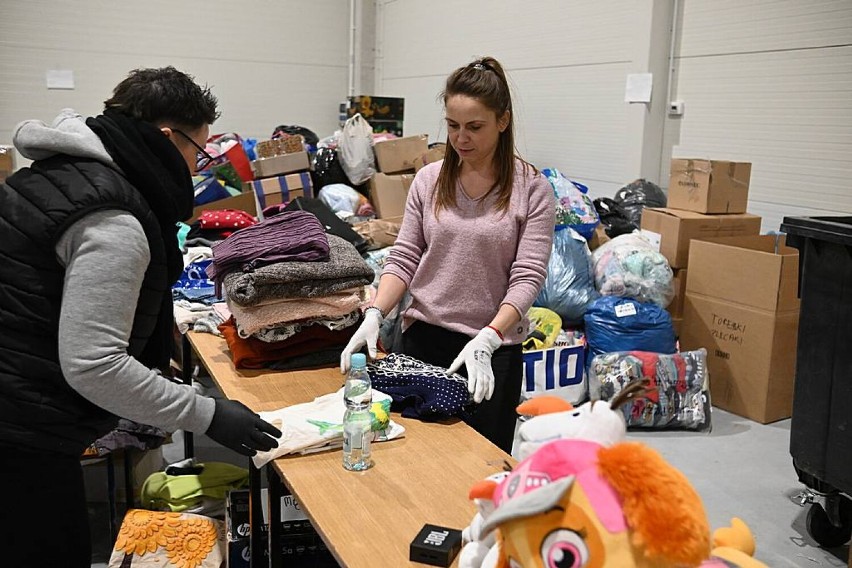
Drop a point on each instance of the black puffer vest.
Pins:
(38, 409)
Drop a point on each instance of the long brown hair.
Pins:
(485, 81)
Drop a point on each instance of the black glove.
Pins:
(235, 426)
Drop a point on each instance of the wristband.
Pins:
(497, 331)
(378, 309)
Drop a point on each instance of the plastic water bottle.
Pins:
(357, 396)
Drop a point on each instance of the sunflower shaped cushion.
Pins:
(160, 539)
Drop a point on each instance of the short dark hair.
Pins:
(164, 95)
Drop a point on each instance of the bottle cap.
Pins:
(359, 360)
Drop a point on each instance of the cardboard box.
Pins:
(294, 550)
(7, 162)
(279, 189)
(379, 233)
(742, 306)
(398, 154)
(433, 154)
(300, 544)
(676, 228)
(675, 308)
(243, 202)
(709, 186)
(388, 194)
(280, 165)
(599, 237)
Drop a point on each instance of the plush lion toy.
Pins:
(587, 498)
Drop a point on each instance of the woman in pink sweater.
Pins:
(472, 252)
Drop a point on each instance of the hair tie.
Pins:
(479, 67)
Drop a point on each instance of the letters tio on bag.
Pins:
(565, 368)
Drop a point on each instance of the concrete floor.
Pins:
(741, 468)
(744, 469)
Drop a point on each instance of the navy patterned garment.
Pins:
(419, 390)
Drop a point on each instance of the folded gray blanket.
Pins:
(345, 269)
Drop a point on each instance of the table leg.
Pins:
(128, 479)
(186, 370)
(113, 515)
(255, 517)
(276, 490)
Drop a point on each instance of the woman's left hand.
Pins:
(476, 356)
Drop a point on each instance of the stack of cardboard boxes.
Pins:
(706, 199)
(277, 179)
(396, 160)
(300, 545)
(735, 290)
(280, 178)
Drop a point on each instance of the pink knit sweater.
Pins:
(461, 266)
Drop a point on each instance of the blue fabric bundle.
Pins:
(418, 389)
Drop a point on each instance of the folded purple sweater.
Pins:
(291, 235)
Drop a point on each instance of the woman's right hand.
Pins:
(366, 334)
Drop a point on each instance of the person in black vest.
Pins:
(89, 250)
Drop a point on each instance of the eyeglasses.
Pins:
(202, 158)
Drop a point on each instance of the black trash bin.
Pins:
(821, 427)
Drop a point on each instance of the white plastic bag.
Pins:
(355, 149)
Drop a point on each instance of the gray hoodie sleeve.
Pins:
(105, 255)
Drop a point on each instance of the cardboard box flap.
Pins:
(756, 271)
(388, 193)
(398, 154)
(703, 217)
(677, 227)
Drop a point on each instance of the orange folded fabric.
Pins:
(252, 353)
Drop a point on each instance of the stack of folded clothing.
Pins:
(194, 294)
(294, 292)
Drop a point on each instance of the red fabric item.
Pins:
(649, 371)
(252, 353)
(680, 365)
(223, 219)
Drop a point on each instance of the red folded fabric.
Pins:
(252, 353)
(226, 219)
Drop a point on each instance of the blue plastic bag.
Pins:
(623, 324)
(569, 286)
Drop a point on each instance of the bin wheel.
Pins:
(824, 532)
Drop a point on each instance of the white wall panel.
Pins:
(567, 62)
(268, 62)
(738, 26)
(769, 83)
(422, 38)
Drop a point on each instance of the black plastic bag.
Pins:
(332, 223)
(614, 218)
(637, 195)
(327, 169)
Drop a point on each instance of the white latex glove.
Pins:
(367, 334)
(476, 356)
